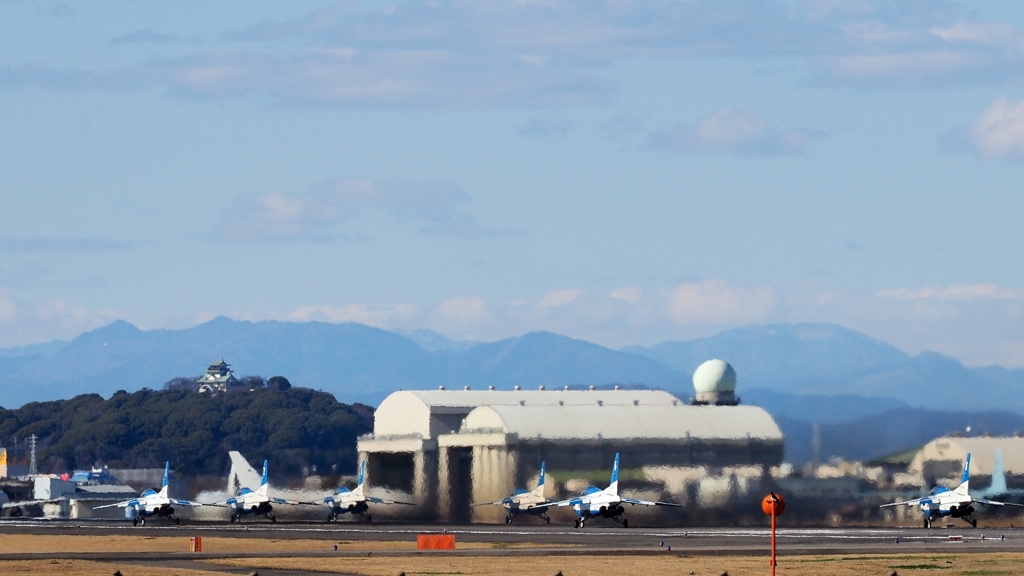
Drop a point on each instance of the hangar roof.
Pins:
(982, 449)
(427, 413)
(626, 421)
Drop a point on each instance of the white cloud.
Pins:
(322, 212)
(465, 316)
(508, 53)
(632, 294)
(954, 293)
(729, 131)
(716, 302)
(559, 298)
(997, 133)
(898, 68)
(23, 323)
(379, 316)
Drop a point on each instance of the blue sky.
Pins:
(624, 172)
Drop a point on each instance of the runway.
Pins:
(559, 540)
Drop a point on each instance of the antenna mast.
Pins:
(32, 470)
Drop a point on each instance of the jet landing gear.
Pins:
(580, 522)
(139, 521)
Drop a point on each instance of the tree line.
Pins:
(294, 428)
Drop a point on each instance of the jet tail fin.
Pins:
(167, 474)
(264, 487)
(613, 487)
(965, 477)
(539, 490)
(362, 478)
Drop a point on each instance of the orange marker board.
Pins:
(435, 541)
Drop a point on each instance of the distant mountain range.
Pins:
(801, 373)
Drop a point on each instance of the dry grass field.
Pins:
(442, 564)
(857, 565)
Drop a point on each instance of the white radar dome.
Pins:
(714, 376)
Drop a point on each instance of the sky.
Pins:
(622, 172)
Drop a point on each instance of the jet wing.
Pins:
(492, 503)
(283, 501)
(635, 502)
(994, 503)
(569, 502)
(124, 504)
(913, 502)
(178, 502)
(385, 501)
(537, 505)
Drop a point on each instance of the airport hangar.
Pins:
(449, 448)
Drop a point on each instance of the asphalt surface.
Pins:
(594, 540)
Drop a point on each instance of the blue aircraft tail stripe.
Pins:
(264, 479)
(967, 470)
(541, 481)
(362, 471)
(167, 471)
(615, 469)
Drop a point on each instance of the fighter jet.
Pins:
(594, 502)
(956, 503)
(152, 503)
(257, 501)
(353, 501)
(522, 501)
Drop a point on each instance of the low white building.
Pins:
(449, 448)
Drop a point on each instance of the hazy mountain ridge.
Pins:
(356, 363)
(807, 372)
(888, 432)
(825, 359)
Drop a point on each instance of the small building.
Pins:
(218, 378)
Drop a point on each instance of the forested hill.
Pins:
(291, 428)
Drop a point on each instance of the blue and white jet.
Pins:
(354, 501)
(956, 503)
(257, 501)
(596, 503)
(152, 503)
(525, 502)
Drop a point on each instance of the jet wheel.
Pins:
(625, 523)
(273, 519)
(974, 523)
(369, 518)
(508, 519)
(142, 520)
(177, 521)
(547, 519)
(135, 521)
